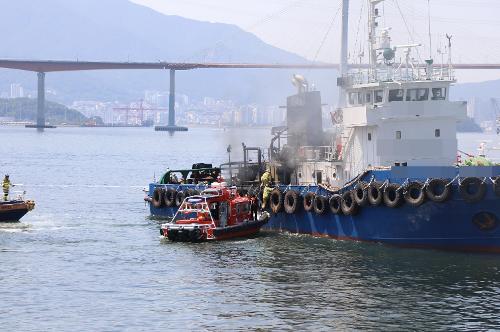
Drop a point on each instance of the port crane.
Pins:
(138, 110)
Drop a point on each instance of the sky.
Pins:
(311, 28)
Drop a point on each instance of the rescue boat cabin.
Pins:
(219, 206)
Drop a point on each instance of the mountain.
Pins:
(118, 30)
(25, 109)
(480, 96)
(482, 90)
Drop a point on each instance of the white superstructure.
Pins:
(395, 114)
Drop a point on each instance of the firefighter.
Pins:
(265, 182)
(6, 187)
(254, 206)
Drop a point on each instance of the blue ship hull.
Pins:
(452, 225)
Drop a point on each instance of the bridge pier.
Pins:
(171, 108)
(40, 107)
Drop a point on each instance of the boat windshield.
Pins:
(196, 211)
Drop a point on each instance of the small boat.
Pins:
(218, 213)
(14, 210)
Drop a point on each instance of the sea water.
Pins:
(89, 257)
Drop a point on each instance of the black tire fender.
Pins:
(291, 201)
(309, 201)
(335, 203)
(276, 200)
(320, 204)
(496, 185)
(415, 194)
(169, 197)
(375, 194)
(179, 198)
(438, 190)
(472, 189)
(348, 204)
(393, 196)
(361, 194)
(157, 199)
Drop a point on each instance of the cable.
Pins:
(325, 36)
(267, 18)
(407, 28)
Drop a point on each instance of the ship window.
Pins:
(437, 133)
(353, 98)
(368, 97)
(398, 134)
(300, 175)
(396, 95)
(360, 99)
(319, 177)
(379, 96)
(438, 93)
(417, 94)
(369, 136)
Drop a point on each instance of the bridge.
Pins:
(41, 67)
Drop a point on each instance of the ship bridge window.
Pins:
(417, 94)
(353, 98)
(360, 98)
(438, 93)
(368, 97)
(379, 96)
(396, 95)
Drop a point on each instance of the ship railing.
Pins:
(317, 153)
(390, 74)
(17, 195)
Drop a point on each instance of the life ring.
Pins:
(472, 190)
(157, 198)
(496, 185)
(335, 203)
(309, 201)
(291, 201)
(392, 195)
(415, 195)
(320, 204)
(169, 197)
(438, 190)
(276, 200)
(361, 194)
(348, 204)
(375, 195)
(179, 198)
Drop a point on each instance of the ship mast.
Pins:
(343, 50)
(373, 15)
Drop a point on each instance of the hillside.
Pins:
(118, 30)
(24, 109)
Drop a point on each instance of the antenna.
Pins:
(450, 68)
(430, 36)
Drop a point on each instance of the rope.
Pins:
(327, 33)
(407, 28)
(454, 179)
(426, 183)
(403, 185)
